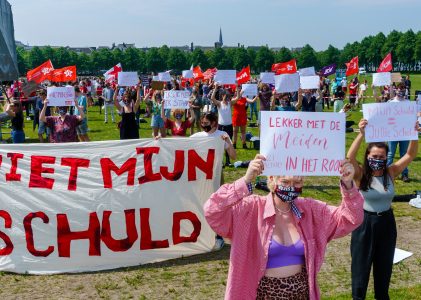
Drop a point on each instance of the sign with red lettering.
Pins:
(79, 207)
(177, 99)
(302, 143)
(391, 121)
(61, 96)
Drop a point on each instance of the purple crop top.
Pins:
(282, 256)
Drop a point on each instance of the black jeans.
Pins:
(229, 130)
(373, 243)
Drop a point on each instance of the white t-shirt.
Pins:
(224, 114)
(217, 134)
(363, 87)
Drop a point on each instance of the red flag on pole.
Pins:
(64, 74)
(386, 65)
(197, 73)
(40, 73)
(289, 67)
(112, 74)
(244, 75)
(352, 66)
(209, 73)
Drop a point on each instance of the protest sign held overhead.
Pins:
(226, 76)
(267, 77)
(187, 74)
(392, 121)
(310, 71)
(177, 99)
(300, 143)
(61, 96)
(287, 83)
(128, 78)
(309, 82)
(382, 79)
(80, 207)
(164, 76)
(249, 90)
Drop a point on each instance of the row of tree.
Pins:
(405, 48)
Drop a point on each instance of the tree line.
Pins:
(405, 48)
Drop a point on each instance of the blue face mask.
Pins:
(62, 111)
(178, 116)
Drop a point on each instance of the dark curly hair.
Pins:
(367, 177)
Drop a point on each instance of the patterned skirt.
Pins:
(294, 287)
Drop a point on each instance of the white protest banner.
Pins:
(267, 77)
(155, 78)
(128, 78)
(79, 207)
(287, 83)
(309, 82)
(249, 90)
(310, 71)
(391, 121)
(225, 76)
(419, 107)
(61, 96)
(177, 99)
(188, 74)
(164, 76)
(382, 79)
(300, 143)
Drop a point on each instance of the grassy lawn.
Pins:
(204, 276)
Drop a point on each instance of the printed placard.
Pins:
(61, 96)
(309, 82)
(310, 71)
(301, 143)
(164, 76)
(267, 77)
(225, 76)
(177, 99)
(249, 90)
(287, 83)
(128, 78)
(391, 121)
(382, 79)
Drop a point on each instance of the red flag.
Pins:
(197, 73)
(352, 66)
(209, 73)
(41, 73)
(289, 67)
(112, 73)
(64, 74)
(244, 75)
(386, 65)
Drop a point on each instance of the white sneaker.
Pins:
(219, 244)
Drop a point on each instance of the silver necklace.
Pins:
(283, 211)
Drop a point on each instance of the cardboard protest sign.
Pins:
(391, 121)
(249, 90)
(310, 71)
(382, 79)
(287, 83)
(188, 74)
(225, 76)
(300, 143)
(177, 99)
(396, 77)
(157, 85)
(128, 78)
(309, 82)
(61, 96)
(164, 76)
(267, 77)
(102, 205)
(29, 87)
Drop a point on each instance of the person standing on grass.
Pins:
(82, 129)
(157, 123)
(14, 110)
(108, 95)
(278, 241)
(374, 242)
(239, 117)
(63, 127)
(127, 125)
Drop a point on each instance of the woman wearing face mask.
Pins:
(177, 127)
(239, 117)
(373, 243)
(281, 104)
(63, 127)
(278, 241)
(127, 107)
(14, 109)
(224, 106)
(196, 107)
(157, 123)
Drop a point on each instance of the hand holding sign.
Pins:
(347, 172)
(255, 168)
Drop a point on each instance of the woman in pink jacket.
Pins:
(278, 241)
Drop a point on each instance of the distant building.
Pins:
(219, 43)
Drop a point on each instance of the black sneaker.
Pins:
(245, 146)
(405, 178)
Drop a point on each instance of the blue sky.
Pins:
(290, 23)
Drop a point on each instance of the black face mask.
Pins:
(206, 128)
(376, 164)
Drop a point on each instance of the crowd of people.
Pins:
(278, 241)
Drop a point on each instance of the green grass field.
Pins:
(204, 276)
